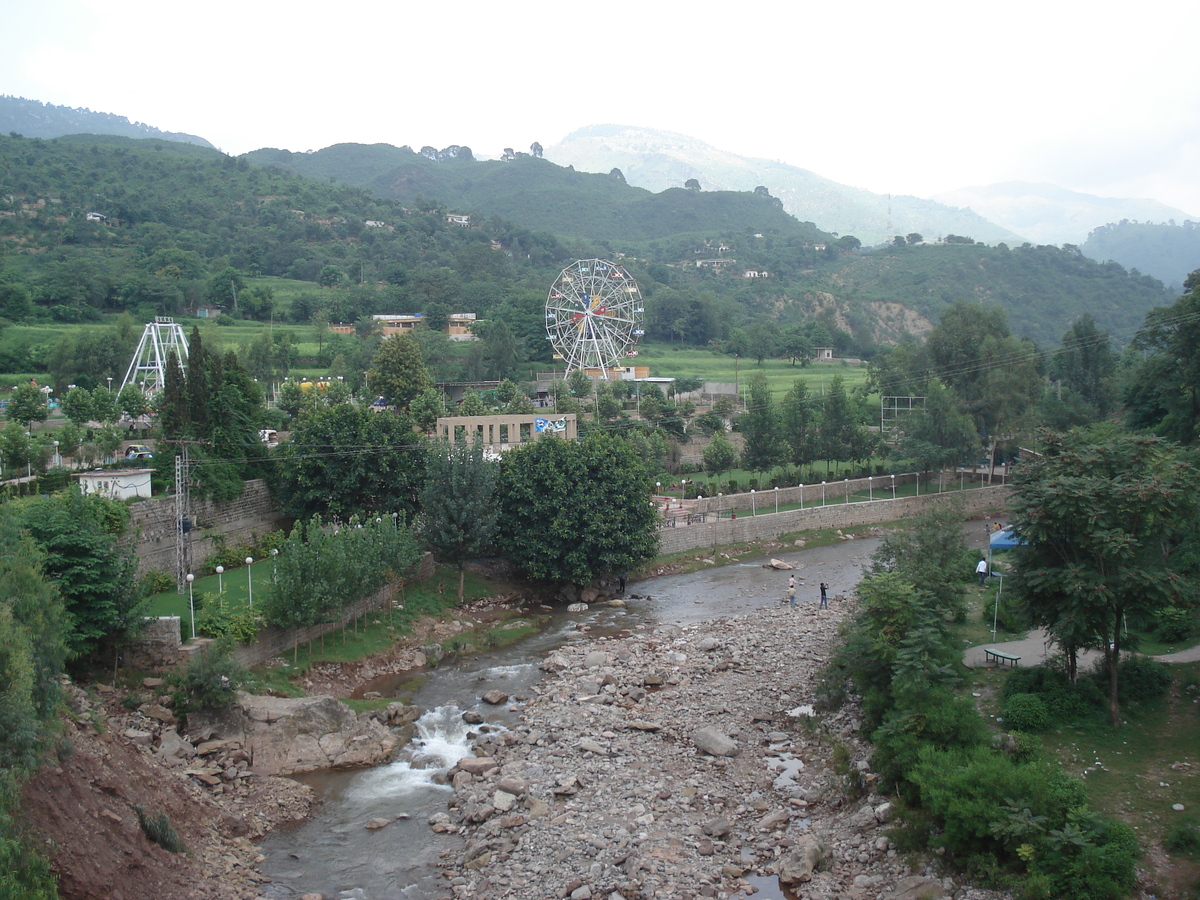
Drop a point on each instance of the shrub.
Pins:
(1138, 678)
(207, 682)
(1025, 712)
(1183, 837)
(219, 618)
(1064, 701)
(1174, 624)
(943, 720)
(159, 829)
(158, 582)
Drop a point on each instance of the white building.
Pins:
(115, 484)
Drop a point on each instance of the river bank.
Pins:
(681, 763)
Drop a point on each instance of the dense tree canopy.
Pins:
(572, 510)
(343, 460)
(1101, 515)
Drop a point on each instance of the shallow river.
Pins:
(333, 853)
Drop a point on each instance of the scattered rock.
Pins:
(714, 742)
(495, 698)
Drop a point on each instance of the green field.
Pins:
(669, 361)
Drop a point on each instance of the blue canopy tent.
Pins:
(1004, 540)
(1000, 540)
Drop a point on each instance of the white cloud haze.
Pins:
(901, 98)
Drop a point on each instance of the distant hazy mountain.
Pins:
(33, 118)
(658, 160)
(1047, 214)
(1168, 252)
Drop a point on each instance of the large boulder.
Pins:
(715, 742)
(806, 857)
(288, 735)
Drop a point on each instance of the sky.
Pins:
(902, 98)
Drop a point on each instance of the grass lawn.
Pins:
(433, 596)
(667, 360)
(1136, 772)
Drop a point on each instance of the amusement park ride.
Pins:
(594, 316)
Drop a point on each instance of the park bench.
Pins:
(999, 656)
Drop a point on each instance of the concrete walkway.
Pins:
(1036, 647)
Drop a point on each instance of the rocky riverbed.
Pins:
(682, 763)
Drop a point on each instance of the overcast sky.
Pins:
(1101, 97)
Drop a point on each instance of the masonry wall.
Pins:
(254, 512)
(841, 515)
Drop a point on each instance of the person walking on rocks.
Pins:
(824, 596)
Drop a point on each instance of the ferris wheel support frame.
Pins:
(148, 368)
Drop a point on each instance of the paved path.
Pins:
(1034, 649)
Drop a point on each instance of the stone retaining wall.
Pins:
(254, 512)
(767, 526)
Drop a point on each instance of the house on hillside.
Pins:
(460, 220)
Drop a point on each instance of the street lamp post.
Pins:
(110, 384)
(220, 579)
(847, 482)
(250, 580)
(720, 503)
(28, 456)
(870, 487)
(753, 509)
(191, 604)
(822, 493)
(776, 498)
(893, 487)
(274, 565)
(57, 458)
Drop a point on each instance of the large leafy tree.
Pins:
(32, 645)
(458, 509)
(398, 373)
(88, 556)
(940, 435)
(760, 427)
(1101, 515)
(797, 419)
(1163, 390)
(342, 460)
(1086, 363)
(27, 404)
(840, 436)
(574, 509)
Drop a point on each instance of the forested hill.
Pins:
(99, 225)
(1042, 289)
(32, 118)
(1167, 251)
(537, 194)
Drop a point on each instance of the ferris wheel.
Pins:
(594, 315)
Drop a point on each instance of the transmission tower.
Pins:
(183, 519)
(148, 368)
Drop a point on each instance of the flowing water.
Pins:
(333, 853)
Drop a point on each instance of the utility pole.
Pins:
(183, 519)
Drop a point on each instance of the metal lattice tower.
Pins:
(148, 368)
(183, 521)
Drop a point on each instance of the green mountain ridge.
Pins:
(180, 216)
(32, 118)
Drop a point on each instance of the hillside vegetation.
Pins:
(186, 227)
(1167, 251)
(32, 118)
